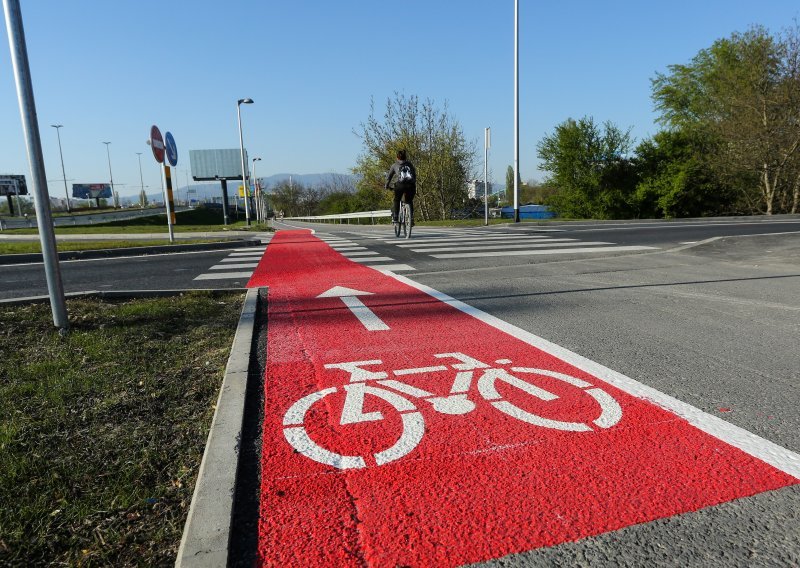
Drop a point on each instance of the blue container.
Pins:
(528, 212)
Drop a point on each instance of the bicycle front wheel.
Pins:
(407, 221)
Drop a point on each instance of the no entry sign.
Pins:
(405, 428)
(157, 144)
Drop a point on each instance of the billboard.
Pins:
(91, 190)
(210, 165)
(13, 184)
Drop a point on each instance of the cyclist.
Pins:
(405, 184)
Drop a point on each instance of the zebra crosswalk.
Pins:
(239, 264)
(359, 253)
(443, 244)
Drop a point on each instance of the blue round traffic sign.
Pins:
(172, 149)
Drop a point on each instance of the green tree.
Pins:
(286, 196)
(143, 201)
(434, 142)
(744, 93)
(590, 172)
(675, 180)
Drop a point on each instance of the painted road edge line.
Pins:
(206, 534)
(777, 456)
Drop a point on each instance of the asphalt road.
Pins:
(709, 315)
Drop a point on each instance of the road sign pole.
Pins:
(168, 203)
(30, 125)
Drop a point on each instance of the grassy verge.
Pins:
(102, 431)
(194, 220)
(20, 247)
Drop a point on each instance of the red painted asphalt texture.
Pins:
(479, 485)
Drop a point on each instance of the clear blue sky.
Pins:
(109, 70)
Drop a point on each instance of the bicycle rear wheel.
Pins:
(397, 223)
(406, 221)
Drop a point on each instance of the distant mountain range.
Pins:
(209, 190)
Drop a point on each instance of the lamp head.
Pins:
(245, 101)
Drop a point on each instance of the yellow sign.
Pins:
(241, 192)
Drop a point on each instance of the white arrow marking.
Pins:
(349, 296)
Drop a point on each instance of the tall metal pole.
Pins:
(110, 175)
(241, 148)
(516, 111)
(255, 188)
(141, 179)
(58, 128)
(30, 126)
(486, 142)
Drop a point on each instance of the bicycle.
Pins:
(404, 220)
(398, 394)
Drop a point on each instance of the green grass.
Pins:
(102, 431)
(20, 247)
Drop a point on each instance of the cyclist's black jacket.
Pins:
(395, 171)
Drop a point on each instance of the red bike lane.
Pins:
(402, 428)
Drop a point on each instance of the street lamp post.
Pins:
(33, 144)
(110, 175)
(516, 111)
(63, 173)
(141, 179)
(255, 190)
(487, 141)
(241, 148)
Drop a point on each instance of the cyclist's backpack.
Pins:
(405, 177)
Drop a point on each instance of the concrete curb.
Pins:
(207, 533)
(132, 251)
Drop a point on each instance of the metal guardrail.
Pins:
(29, 222)
(339, 217)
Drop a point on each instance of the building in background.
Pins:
(475, 189)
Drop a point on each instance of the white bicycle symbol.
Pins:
(455, 403)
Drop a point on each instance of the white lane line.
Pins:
(758, 447)
(339, 244)
(504, 246)
(230, 266)
(225, 275)
(543, 251)
(364, 253)
(389, 268)
(253, 249)
(372, 259)
(349, 249)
